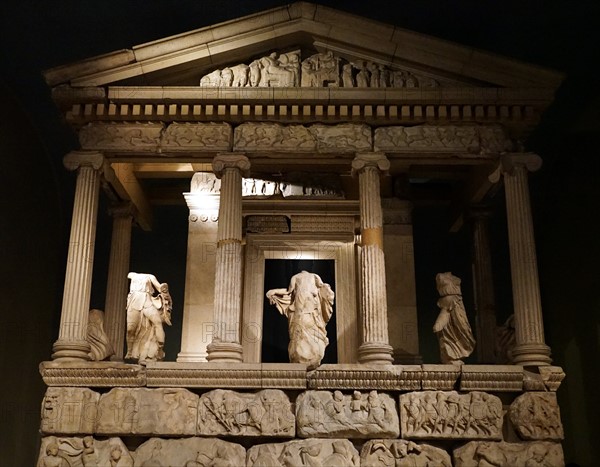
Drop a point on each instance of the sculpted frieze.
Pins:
(318, 70)
(535, 415)
(197, 136)
(346, 137)
(189, 452)
(334, 414)
(272, 136)
(402, 453)
(83, 452)
(450, 415)
(69, 410)
(166, 411)
(121, 136)
(469, 139)
(304, 453)
(342, 138)
(265, 413)
(502, 454)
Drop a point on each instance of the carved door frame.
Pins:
(339, 247)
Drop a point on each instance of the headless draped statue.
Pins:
(308, 305)
(452, 326)
(149, 305)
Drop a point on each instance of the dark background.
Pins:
(36, 201)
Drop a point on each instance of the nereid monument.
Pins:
(298, 133)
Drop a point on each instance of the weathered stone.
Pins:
(121, 136)
(147, 412)
(304, 453)
(531, 454)
(69, 410)
(266, 413)
(197, 136)
(325, 414)
(400, 452)
(273, 137)
(83, 451)
(450, 415)
(536, 415)
(345, 137)
(189, 452)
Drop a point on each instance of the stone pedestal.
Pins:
(198, 306)
(225, 345)
(400, 274)
(375, 346)
(115, 316)
(72, 343)
(483, 284)
(530, 348)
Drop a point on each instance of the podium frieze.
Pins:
(189, 452)
(230, 413)
(389, 452)
(304, 453)
(535, 415)
(502, 454)
(326, 414)
(450, 415)
(83, 451)
(165, 411)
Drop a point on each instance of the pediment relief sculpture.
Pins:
(319, 70)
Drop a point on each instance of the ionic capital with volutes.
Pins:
(230, 160)
(376, 160)
(78, 159)
(510, 161)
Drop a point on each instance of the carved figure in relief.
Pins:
(321, 70)
(450, 415)
(502, 454)
(505, 341)
(402, 453)
(536, 416)
(347, 76)
(308, 305)
(362, 77)
(100, 346)
(452, 326)
(52, 459)
(149, 305)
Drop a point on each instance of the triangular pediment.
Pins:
(306, 30)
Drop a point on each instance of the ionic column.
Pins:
(530, 348)
(483, 285)
(72, 343)
(225, 345)
(115, 317)
(375, 346)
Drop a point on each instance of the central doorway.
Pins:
(275, 336)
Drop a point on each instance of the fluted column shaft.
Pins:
(72, 343)
(375, 346)
(530, 348)
(115, 317)
(225, 345)
(483, 284)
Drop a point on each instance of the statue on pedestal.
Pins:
(452, 326)
(308, 305)
(149, 305)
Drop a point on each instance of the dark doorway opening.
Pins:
(275, 336)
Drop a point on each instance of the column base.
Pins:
(531, 355)
(374, 353)
(224, 352)
(192, 357)
(71, 351)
